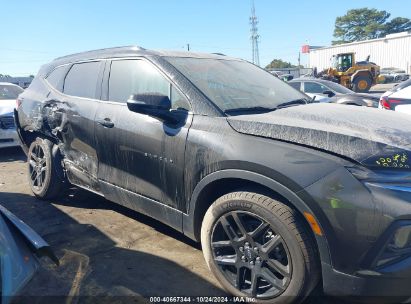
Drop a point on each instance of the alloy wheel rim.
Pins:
(362, 84)
(251, 255)
(37, 167)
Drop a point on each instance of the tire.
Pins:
(46, 176)
(293, 253)
(362, 84)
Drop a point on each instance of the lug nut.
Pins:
(241, 249)
(251, 263)
(243, 258)
(247, 244)
(255, 248)
(258, 259)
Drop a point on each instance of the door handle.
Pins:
(106, 122)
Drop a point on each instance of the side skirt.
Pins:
(137, 202)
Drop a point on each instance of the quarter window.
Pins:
(81, 80)
(295, 85)
(56, 77)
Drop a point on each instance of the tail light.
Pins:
(18, 102)
(389, 103)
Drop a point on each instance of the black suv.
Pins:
(283, 194)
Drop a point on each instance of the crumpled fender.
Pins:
(20, 248)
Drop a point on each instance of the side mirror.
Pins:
(152, 104)
(329, 93)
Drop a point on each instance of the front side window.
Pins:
(129, 77)
(314, 88)
(9, 91)
(81, 80)
(134, 76)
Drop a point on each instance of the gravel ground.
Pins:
(108, 253)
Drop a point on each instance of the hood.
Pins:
(7, 106)
(369, 136)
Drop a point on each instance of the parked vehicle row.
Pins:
(328, 91)
(231, 156)
(394, 75)
(8, 96)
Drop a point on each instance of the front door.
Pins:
(138, 153)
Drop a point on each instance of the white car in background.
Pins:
(398, 98)
(8, 96)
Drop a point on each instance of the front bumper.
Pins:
(9, 138)
(365, 285)
(361, 213)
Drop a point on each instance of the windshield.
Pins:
(9, 91)
(235, 84)
(338, 88)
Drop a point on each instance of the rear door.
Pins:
(138, 153)
(78, 103)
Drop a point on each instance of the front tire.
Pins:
(46, 175)
(259, 247)
(362, 84)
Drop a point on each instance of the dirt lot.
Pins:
(105, 250)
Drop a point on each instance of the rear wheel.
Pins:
(46, 176)
(362, 84)
(259, 247)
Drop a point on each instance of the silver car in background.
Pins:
(8, 96)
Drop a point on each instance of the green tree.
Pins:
(397, 25)
(365, 23)
(360, 24)
(279, 64)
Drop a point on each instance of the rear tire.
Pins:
(46, 175)
(362, 84)
(269, 245)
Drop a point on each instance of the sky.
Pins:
(36, 32)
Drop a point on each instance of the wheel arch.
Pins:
(358, 73)
(222, 182)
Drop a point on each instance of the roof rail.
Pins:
(136, 47)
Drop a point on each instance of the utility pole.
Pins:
(254, 35)
(188, 47)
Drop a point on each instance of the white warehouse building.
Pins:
(391, 51)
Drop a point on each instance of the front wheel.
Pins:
(46, 176)
(259, 247)
(362, 84)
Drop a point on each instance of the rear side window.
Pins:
(129, 77)
(81, 80)
(56, 78)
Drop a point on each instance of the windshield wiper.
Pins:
(258, 109)
(294, 102)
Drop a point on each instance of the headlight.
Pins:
(401, 239)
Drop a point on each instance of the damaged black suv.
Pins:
(283, 194)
